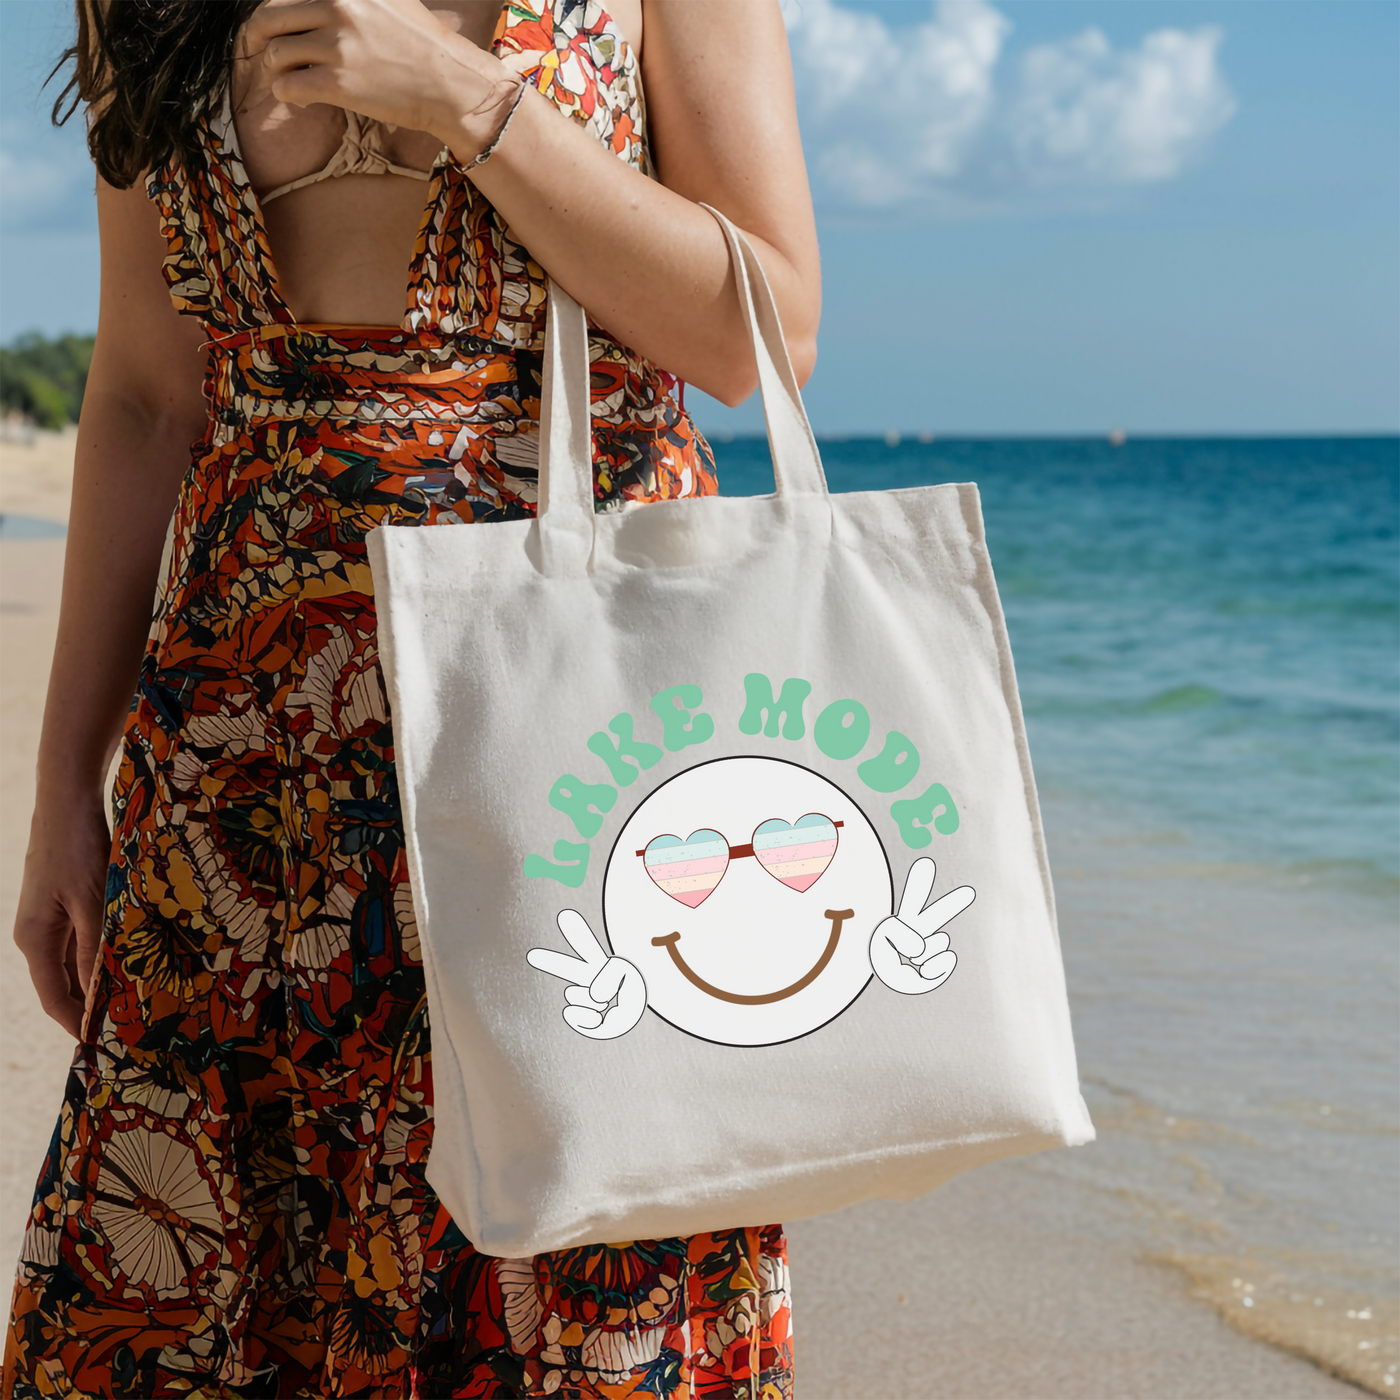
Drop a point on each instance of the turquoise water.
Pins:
(1207, 641)
(1207, 632)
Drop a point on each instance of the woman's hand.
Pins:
(390, 60)
(58, 925)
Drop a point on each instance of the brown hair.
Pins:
(148, 70)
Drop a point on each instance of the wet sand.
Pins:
(1013, 1281)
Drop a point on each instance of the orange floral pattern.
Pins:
(233, 1203)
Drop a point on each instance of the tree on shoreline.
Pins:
(43, 379)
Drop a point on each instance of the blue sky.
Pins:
(1035, 215)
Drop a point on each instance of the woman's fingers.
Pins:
(293, 51)
(58, 924)
(49, 948)
(274, 18)
(86, 916)
(304, 86)
(304, 68)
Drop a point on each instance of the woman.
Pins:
(233, 1203)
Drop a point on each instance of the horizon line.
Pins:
(925, 438)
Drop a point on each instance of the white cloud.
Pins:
(880, 112)
(923, 117)
(1088, 113)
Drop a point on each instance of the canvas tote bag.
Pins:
(723, 841)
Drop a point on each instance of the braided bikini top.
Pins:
(361, 152)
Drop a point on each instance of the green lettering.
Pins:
(680, 727)
(583, 803)
(759, 703)
(893, 767)
(915, 814)
(613, 751)
(842, 729)
(573, 854)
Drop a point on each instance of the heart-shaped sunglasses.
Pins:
(793, 853)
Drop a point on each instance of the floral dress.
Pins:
(233, 1203)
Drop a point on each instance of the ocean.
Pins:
(1207, 642)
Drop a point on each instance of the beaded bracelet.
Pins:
(483, 156)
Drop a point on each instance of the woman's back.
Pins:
(341, 241)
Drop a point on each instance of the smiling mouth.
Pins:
(669, 941)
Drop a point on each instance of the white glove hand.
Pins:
(607, 996)
(909, 951)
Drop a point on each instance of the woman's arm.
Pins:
(647, 262)
(142, 408)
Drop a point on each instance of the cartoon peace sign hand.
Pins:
(606, 995)
(909, 951)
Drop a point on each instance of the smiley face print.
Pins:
(746, 890)
(747, 901)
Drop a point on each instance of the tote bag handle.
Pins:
(566, 441)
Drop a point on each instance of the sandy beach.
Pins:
(1023, 1279)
